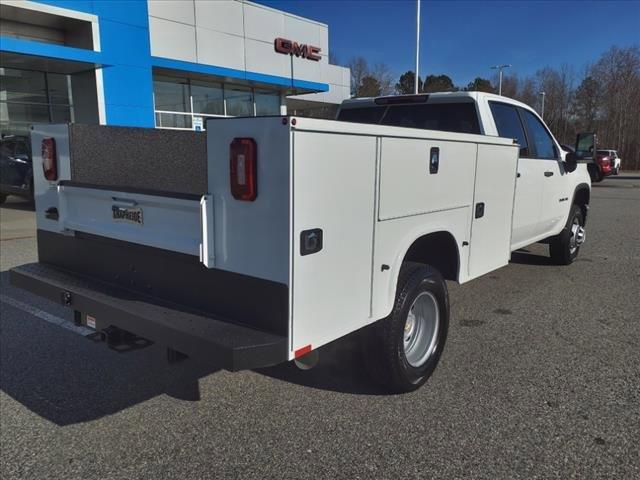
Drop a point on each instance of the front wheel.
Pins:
(402, 351)
(3, 198)
(565, 246)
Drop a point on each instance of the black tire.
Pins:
(598, 176)
(595, 173)
(560, 246)
(383, 345)
(3, 198)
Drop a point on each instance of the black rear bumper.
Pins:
(201, 337)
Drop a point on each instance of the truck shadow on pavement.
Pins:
(67, 379)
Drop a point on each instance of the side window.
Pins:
(509, 125)
(540, 137)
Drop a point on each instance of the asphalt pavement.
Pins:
(540, 378)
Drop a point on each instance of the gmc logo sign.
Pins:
(287, 47)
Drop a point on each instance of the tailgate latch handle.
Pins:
(125, 201)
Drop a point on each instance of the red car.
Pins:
(603, 166)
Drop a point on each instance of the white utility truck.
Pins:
(292, 232)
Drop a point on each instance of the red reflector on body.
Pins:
(49, 159)
(301, 352)
(243, 165)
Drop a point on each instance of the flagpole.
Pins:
(417, 76)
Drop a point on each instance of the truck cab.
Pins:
(546, 186)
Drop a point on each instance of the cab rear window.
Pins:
(447, 117)
(362, 115)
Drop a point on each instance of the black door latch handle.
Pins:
(548, 174)
(434, 160)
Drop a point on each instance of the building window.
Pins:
(179, 100)
(28, 97)
(208, 97)
(239, 101)
(267, 102)
(172, 96)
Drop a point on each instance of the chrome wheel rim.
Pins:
(421, 329)
(576, 237)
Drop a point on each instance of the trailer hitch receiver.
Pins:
(119, 340)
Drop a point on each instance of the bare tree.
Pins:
(359, 69)
(527, 92)
(618, 75)
(510, 84)
(383, 76)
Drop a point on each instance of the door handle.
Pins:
(518, 175)
(548, 174)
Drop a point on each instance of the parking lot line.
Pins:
(47, 317)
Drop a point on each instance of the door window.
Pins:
(509, 125)
(543, 142)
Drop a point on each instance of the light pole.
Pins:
(500, 68)
(415, 81)
(542, 94)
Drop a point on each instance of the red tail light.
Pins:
(243, 171)
(49, 159)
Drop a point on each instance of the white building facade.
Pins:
(160, 63)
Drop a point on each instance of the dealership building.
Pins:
(160, 63)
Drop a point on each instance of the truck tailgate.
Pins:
(169, 221)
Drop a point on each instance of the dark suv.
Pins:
(16, 170)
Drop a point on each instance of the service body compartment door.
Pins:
(492, 212)
(334, 196)
(410, 185)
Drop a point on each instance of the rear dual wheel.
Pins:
(402, 351)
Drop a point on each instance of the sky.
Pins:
(464, 38)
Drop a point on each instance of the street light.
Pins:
(500, 68)
(542, 94)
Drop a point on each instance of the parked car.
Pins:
(16, 172)
(614, 158)
(602, 166)
(304, 231)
